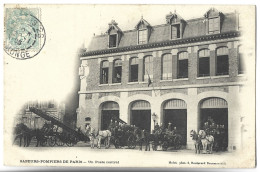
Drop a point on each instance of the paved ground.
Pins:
(123, 149)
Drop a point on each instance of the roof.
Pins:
(194, 28)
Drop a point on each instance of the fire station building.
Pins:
(195, 68)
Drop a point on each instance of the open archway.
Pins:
(109, 110)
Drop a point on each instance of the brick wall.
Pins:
(92, 81)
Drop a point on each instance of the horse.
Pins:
(22, 132)
(93, 134)
(197, 141)
(207, 141)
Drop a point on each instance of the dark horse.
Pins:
(23, 133)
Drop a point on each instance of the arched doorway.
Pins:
(214, 115)
(109, 110)
(175, 112)
(141, 114)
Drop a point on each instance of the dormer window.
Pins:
(142, 36)
(112, 41)
(176, 33)
(114, 34)
(177, 25)
(143, 31)
(213, 21)
(214, 25)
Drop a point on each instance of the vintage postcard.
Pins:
(170, 86)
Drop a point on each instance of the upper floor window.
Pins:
(114, 34)
(104, 72)
(133, 69)
(112, 41)
(222, 61)
(204, 64)
(241, 67)
(117, 71)
(183, 65)
(175, 31)
(214, 25)
(167, 67)
(148, 67)
(142, 36)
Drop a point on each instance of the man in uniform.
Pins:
(174, 130)
(156, 127)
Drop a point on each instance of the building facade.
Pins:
(183, 72)
(33, 121)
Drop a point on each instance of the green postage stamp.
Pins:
(24, 34)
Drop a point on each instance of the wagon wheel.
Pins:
(43, 142)
(177, 142)
(51, 141)
(131, 142)
(154, 146)
(165, 145)
(70, 142)
(58, 141)
(116, 143)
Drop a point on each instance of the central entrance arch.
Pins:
(109, 110)
(141, 114)
(175, 112)
(214, 115)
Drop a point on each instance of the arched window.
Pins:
(167, 67)
(104, 72)
(133, 69)
(148, 67)
(241, 68)
(117, 71)
(183, 65)
(204, 64)
(222, 61)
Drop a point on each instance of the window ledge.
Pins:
(241, 75)
(116, 84)
(181, 79)
(220, 76)
(205, 77)
(168, 80)
(131, 83)
(100, 85)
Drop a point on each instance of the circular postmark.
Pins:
(24, 34)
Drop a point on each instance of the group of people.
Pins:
(171, 130)
(218, 131)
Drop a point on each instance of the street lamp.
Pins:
(154, 118)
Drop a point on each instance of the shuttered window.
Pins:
(141, 105)
(204, 64)
(142, 36)
(133, 69)
(214, 25)
(167, 67)
(148, 67)
(222, 61)
(214, 102)
(117, 71)
(175, 104)
(104, 72)
(183, 65)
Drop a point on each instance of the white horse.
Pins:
(99, 135)
(207, 141)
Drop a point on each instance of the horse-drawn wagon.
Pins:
(166, 139)
(56, 132)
